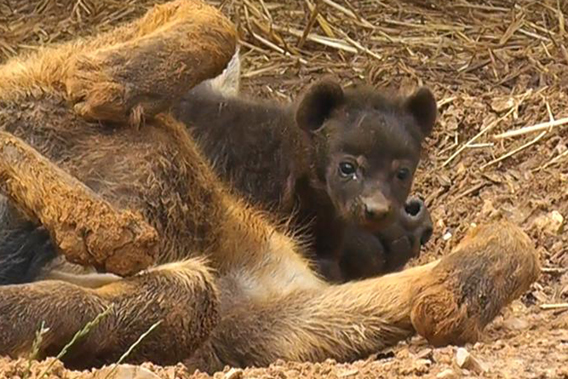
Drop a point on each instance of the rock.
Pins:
(424, 354)
(444, 180)
(447, 374)
(348, 373)
(125, 371)
(423, 362)
(502, 104)
(515, 323)
(461, 356)
(552, 222)
(557, 221)
(234, 373)
(468, 362)
(421, 366)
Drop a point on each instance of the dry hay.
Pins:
(496, 66)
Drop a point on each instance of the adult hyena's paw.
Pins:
(495, 264)
(93, 92)
(122, 244)
(100, 91)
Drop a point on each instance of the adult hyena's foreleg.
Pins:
(84, 227)
(140, 69)
(180, 298)
(449, 301)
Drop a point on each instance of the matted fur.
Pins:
(227, 285)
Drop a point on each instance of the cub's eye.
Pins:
(347, 169)
(403, 174)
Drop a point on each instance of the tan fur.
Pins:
(117, 75)
(229, 287)
(90, 280)
(442, 312)
(86, 228)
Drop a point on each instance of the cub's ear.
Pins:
(423, 107)
(318, 103)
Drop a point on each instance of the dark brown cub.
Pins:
(333, 158)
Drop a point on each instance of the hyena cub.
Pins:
(342, 161)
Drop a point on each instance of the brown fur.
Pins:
(118, 76)
(229, 287)
(466, 286)
(88, 229)
(288, 158)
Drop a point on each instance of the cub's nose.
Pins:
(377, 210)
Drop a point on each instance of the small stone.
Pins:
(515, 324)
(462, 355)
(423, 362)
(234, 373)
(125, 371)
(346, 374)
(468, 362)
(558, 221)
(444, 180)
(442, 357)
(498, 345)
(502, 104)
(421, 366)
(517, 306)
(424, 354)
(447, 236)
(552, 222)
(447, 374)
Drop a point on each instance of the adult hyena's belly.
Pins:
(145, 170)
(107, 160)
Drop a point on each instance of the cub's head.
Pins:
(366, 146)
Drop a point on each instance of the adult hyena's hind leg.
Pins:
(449, 301)
(140, 69)
(86, 228)
(181, 297)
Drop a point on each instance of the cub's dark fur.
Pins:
(335, 157)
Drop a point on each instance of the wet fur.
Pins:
(228, 286)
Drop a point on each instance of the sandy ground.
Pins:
(493, 66)
(520, 344)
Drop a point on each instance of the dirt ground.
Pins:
(495, 66)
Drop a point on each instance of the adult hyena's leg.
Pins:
(148, 64)
(180, 296)
(449, 301)
(87, 229)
